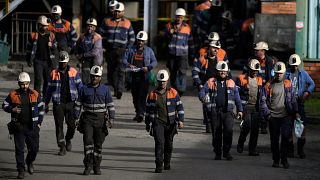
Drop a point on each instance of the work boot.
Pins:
(68, 145)
(140, 118)
(217, 157)
(208, 128)
(97, 171)
(285, 164)
(30, 168)
(20, 175)
(158, 167)
(86, 171)
(240, 148)
(167, 166)
(301, 142)
(135, 118)
(62, 151)
(228, 156)
(119, 95)
(275, 164)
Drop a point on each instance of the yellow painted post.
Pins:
(7, 6)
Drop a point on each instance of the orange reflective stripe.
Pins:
(185, 29)
(72, 72)
(202, 7)
(67, 25)
(153, 96)
(125, 23)
(259, 80)
(203, 51)
(34, 96)
(96, 37)
(287, 83)
(221, 54)
(15, 97)
(34, 36)
(243, 80)
(55, 75)
(211, 83)
(172, 93)
(203, 61)
(246, 24)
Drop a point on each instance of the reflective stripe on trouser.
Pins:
(31, 139)
(250, 124)
(163, 137)
(221, 125)
(93, 138)
(61, 112)
(115, 72)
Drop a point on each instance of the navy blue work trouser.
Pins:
(163, 137)
(139, 91)
(31, 139)
(277, 127)
(222, 131)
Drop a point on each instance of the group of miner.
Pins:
(267, 92)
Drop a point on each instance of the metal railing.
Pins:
(23, 23)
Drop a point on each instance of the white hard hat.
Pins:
(180, 12)
(222, 66)
(261, 45)
(142, 35)
(162, 75)
(213, 36)
(216, 44)
(227, 15)
(43, 20)
(96, 70)
(254, 64)
(279, 67)
(112, 3)
(24, 77)
(63, 56)
(119, 7)
(92, 21)
(56, 9)
(294, 60)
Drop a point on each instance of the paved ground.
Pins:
(128, 150)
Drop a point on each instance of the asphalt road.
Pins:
(128, 152)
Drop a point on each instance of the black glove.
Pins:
(148, 127)
(46, 108)
(77, 122)
(109, 124)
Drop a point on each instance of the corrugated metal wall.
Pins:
(314, 29)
